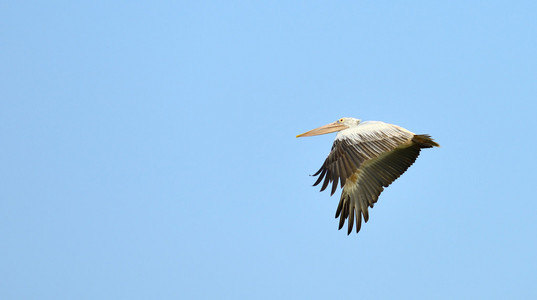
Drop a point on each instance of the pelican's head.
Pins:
(338, 125)
(350, 122)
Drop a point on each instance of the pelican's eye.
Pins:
(341, 120)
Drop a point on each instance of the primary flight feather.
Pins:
(365, 158)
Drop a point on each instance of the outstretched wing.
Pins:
(364, 160)
(366, 184)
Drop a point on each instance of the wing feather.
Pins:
(351, 220)
(326, 180)
(320, 176)
(334, 184)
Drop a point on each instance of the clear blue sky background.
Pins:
(149, 151)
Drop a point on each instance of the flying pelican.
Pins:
(365, 158)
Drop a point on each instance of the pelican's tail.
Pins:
(424, 141)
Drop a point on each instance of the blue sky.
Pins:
(149, 150)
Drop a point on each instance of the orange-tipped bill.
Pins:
(328, 128)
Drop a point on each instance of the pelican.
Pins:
(365, 158)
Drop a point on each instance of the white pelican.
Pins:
(365, 158)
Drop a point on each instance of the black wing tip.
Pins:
(349, 230)
(343, 218)
(318, 172)
(351, 227)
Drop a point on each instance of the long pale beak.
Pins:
(328, 128)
